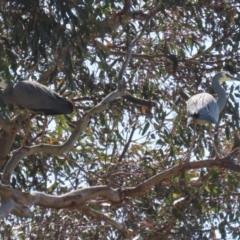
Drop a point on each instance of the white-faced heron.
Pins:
(203, 108)
(36, 97)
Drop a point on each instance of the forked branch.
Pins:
(81, 196)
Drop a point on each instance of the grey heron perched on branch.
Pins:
(203, 108)
(36, 97)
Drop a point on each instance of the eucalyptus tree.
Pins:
(114, 168)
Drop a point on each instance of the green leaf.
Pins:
(147, 125)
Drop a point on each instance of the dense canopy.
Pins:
(114, 168)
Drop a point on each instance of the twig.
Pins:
(123, 53)
(143, 102)
(214, 44)
(121, 83)
(128, 143)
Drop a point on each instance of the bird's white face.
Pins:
(3, 83)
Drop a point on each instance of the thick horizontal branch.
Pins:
(68, 200)
(226, 162)
(80, 196)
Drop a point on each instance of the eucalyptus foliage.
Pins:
(77, 47)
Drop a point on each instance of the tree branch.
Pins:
(72, 199)
(128, 143)
(121, 82)
(123, 53)
(6, 208)
(102, 217)
(5, 124)
(115, 21)
(80, 196)
(142, 102)
(9, 125)
(52, 149)
(21, 210)
(214, 44)
(11, 129)
(226, 162)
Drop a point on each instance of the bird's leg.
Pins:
(187, 159)
(44, 128)
(213, 144)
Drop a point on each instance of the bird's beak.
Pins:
(236, 78)
(231, 77)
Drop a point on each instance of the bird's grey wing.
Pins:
(37, 97)
(203, 106)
